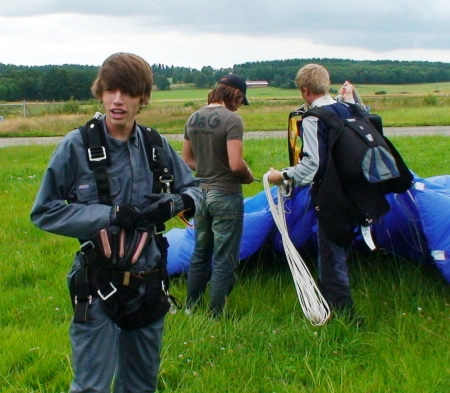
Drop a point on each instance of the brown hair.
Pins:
(229, 96)
(315, 77)
(126, 72)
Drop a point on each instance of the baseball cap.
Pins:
(237, 82)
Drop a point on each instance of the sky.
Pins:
(221, 34)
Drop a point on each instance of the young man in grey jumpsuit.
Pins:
(67, 204)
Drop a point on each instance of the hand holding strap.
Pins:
(164, 206)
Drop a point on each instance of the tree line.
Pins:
(65, 82)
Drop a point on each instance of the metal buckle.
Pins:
(87, 246)
(89, 299)
(114, 290)
(155, 228)
(164, 289)
(166, 179)
(97, 153)
(126, 278)
(155, 155)
(87, 251)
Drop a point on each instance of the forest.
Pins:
(68, 81)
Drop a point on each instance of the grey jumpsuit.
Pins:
(67, 204)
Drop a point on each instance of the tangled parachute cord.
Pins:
(313, 304)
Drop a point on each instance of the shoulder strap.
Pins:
(162, 177)
(332, 121)
(157, 159)
(94, 141)
(98, 159)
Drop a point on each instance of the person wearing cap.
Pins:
(213, 147)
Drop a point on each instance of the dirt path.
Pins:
(390, 131)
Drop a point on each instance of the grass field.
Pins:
(406, 105)
(267, 346)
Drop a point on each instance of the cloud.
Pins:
(220, 34)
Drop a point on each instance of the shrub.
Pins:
(71, 106)
(430, 100)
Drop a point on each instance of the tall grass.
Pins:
(266, 345)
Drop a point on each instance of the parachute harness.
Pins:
(313, 304)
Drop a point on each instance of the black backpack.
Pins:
(362, 152)
(344, 197)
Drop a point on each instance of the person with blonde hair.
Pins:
(313, 81)
(313, 77)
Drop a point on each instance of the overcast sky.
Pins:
(220, 34)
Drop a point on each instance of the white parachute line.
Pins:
(313, 304)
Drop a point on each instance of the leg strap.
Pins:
(81, 288)
(133, 280)
(94, 279)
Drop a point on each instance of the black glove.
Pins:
(128, 217)
(164, 206)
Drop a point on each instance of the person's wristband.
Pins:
(285, 175)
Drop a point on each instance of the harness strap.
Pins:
(81, 287)
(98, 160)
(334, 123)
(134, 280)
(94, 278)
(158, 162)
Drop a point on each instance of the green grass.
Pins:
(267, 345)
(440, 88)
(406, 105)
(275, 93)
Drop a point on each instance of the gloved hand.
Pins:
(164, 206)
(128, 217)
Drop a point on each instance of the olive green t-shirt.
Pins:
(208, 130)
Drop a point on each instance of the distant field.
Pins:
(401, 106)
(201, 94)
(441, 88)
(276, 93)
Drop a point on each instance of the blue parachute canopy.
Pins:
(417, 227)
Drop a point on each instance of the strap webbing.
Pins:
(82, 290)
(94, 278)
(333, 123)
(98, 159)
(157, 159)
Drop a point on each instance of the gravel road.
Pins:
(389, 131)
